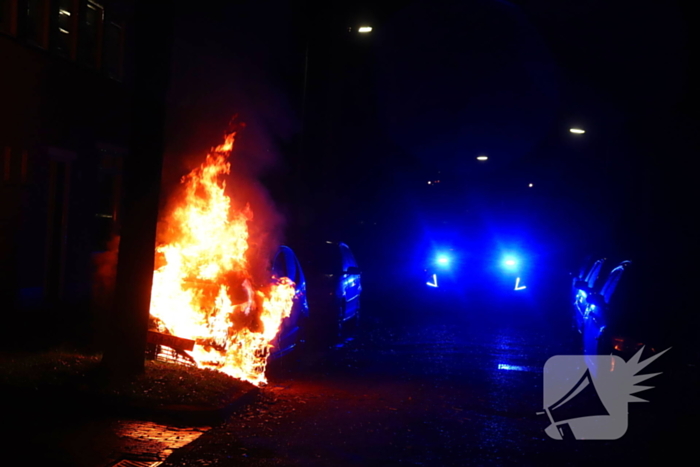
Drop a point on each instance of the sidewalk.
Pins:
(53, 417)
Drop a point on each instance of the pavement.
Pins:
(65, 430)
(464, 387)
(418, 386)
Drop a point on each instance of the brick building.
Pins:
(65, 119)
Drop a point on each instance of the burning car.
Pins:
(292, 330)
(206, 288)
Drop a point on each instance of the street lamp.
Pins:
(577, 131)
(364, 29)
(482, 158)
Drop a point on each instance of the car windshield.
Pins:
(327, 260)
(347, 257)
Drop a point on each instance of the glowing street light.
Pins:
(530, 185)
(482, 158)
(577, 131)
(510, 262)
(364, 29)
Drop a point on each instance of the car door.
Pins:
(598, 316)
(350, 281)
(591, 284)
(286, 264)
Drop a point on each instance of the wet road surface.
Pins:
(438, 390)
(418, 386)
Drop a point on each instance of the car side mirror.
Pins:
(353, 271)
(596, 299)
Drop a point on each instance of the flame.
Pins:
(204, 289)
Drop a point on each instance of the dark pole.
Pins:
(300, 191)
(300, 188)
(303, 97)
(152, 41)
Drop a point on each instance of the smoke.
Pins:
(225, 63)
(247, 193)
(249, 160)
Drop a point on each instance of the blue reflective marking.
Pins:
(434, 283)
(505, 366)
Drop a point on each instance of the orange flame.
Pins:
(204, 290)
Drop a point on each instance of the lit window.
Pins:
(8, 16)
(64, 34)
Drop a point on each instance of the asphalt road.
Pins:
(460, 385)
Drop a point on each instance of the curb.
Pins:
(188, 414)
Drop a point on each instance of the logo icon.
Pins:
(586, 396)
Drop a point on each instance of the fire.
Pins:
(204, 289)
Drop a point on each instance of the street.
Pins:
(457, 388)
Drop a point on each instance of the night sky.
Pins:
(436, 84)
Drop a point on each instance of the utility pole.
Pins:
(151, 46)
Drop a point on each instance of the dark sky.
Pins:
(450, 79)
(439, 82)
(461, 79)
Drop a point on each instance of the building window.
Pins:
(37, 26)
(113, 50)
(107, 199)
(65, 30)
(8, 17)
(92, 34)
(14, 165)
